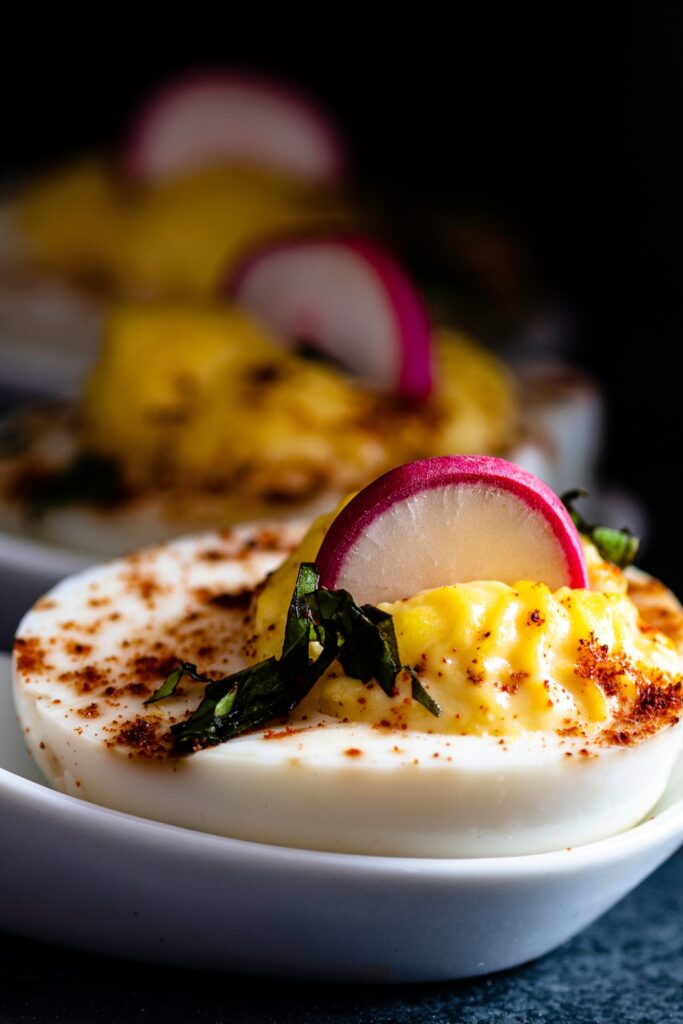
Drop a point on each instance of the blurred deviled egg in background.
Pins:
(225, 345)
(211, 163)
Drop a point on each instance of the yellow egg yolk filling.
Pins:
(176, 238)
(205, 396)
(499, 660)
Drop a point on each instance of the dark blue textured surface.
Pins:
(628, 967)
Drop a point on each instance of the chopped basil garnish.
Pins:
(617, 546)
(420, 694)
(172, 681)
(361, 638)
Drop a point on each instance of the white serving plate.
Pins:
(95, 879)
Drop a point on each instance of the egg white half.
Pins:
(323, 784)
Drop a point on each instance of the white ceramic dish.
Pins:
(95, 879)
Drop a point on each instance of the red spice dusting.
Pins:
(213, 555)
(30, 655)
(288, 730)
(143, 737)
(76, 649)
(237, 601)
(146, 586)
(150, 667)
(272, 540)
(595, 662)
(85, 680)
(658, 701)
(353, 752)
(90, 711)
(138, 689)
(619, 737)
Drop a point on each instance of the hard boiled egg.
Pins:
(90, 653)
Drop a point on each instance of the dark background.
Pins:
(568, 131)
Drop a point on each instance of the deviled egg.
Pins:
(444, 667)
(322, 372)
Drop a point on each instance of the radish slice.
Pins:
(448, 520)
(350, 298)
(223, 118)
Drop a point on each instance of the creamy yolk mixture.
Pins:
(204, 396)
(179, 238)
(499, 660)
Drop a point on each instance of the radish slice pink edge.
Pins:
(407, 481)
(410, 315)
(330, 159)
(410, 328)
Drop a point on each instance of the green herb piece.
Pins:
(255, 695)
(242, 701)
(299, 622)
(362, 639)
(619, 547)
(172, 681)
(420, 694)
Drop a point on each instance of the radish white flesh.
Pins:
(351, 299)
(224, 118)
(448, 520)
